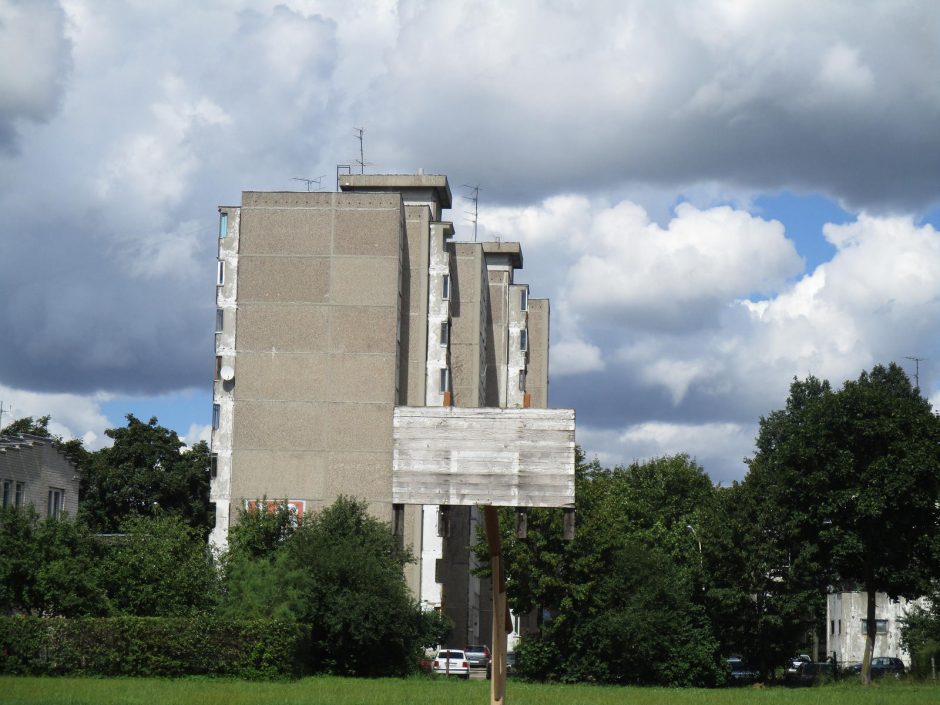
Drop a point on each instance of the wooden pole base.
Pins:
(502, 620)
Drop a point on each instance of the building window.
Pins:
(7, 493)
(223, 225)
(521, 380)
(54, 507)
(524, 300)
(220, 280)
(445, 380)
(218, 367)
(881, 626)
(523, 340)
(445, 287)
(216, 414)
(832, 627)
(213, 465)
(840, 627)
(445, 333)
(20, 498)
(219, 320)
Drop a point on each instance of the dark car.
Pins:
(741, 672)
(510, 665)
(478, 656)
(793, 665)
(810, 673)
(881, 666)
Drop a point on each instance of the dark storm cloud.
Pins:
(767, 98)
(107, 246)
(107, 251)
(77, 319)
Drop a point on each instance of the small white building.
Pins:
(846, 626)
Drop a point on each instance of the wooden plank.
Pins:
(468, 456)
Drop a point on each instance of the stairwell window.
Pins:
(524, 300)
(223, 225)
(220, 280)
(445, 333)
(219, 320)
(523, 340)
(213, 465)
(445, 380)
(521, 380)
(445, 287)
(216, 415)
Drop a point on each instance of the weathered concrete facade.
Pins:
(33, 471)
(333, 309)
(846, 634)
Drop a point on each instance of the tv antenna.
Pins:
(309, 182)
(475, 198)
(917, 361)
(361, 161)
(2, 412)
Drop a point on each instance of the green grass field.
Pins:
(424, 691)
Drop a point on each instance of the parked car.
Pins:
(510, 665)
(793, 664)
(881, 666)
(452, 662)
(741, 672)
(478, 656)
(810, 672)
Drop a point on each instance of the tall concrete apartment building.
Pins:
(333, 309)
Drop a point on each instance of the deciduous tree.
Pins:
(145, 472)
(854, 479)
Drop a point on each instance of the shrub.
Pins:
(148, 646)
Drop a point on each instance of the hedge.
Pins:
(153, 646)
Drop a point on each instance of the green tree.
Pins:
(145, 472)
(159, 567)
(49, 566)
(18, 549)
(760, 602)
(340, 572)
(68, 579)
(853, 477)
(624, 598)
(920, 633)
(261, 530)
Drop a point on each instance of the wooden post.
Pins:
(502, 620)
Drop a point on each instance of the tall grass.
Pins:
(424, 691)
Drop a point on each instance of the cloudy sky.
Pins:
(716, 195)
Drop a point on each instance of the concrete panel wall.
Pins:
(537, 371)
(466, 302)
(317, 347)
(414, 319)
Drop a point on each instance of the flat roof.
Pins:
(402, 183)
(512, 250)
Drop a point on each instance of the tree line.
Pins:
(138, 549)
(667, 573)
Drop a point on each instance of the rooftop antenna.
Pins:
(2, 412)
(476, 206)
(361, 161)
(309, 182)
(917, 361)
